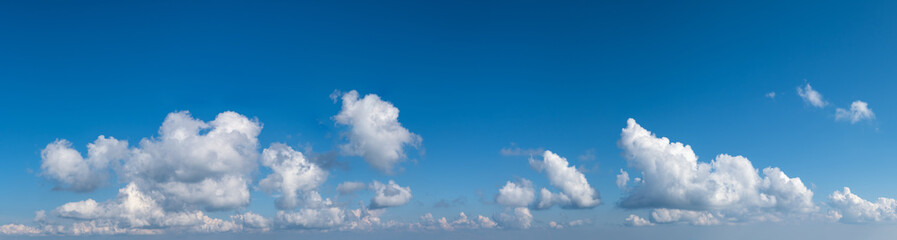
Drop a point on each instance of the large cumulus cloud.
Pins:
(374, 130)
(672, 178)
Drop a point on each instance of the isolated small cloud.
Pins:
(374, 131)
(636, 221)
(771, 95)
(811, 96)
(859, 111)
(515, 150)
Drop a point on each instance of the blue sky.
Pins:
(470, 78)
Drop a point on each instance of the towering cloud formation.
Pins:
(672, 177)
(375, 132)
(811, 96)
(576, 191)
(63, 164)
(293, 176)
(859, 111)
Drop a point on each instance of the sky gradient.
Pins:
(394, 110)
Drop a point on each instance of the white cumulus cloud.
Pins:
(859, 111)
(293, 176)
(389, 195)
(636, 221)
(197, 164)
(811, 96)
(375, 132)
(851, 208)
(570, 180)
(65, 165)
(672, 178)
(516, 194)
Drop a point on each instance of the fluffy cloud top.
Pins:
(853, 209)
(191, 164)
(516, 194)
(292, 175)
(65, 165)
(811, 96)
(389, 195)
(571, 181)
(672, 177)
(195, 163)
(519, 218)
(859, 111)
(375, 132)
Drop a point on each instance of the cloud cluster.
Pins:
(858, 111)
(428, 222)
(673, 181)
(375, 132)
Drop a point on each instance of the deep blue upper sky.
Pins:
(470, 77)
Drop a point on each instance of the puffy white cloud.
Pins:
(350, 187)
(375, 132)
(516, 194)
(389, 195)
(851, 208)
(811, 96)
(671, 177)
(65, 165)
(636, 221)
(292, 175)
(771, 95)
(571, 181)
(324, 218)
(519, 218)
(859, 111)
(197, 164)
